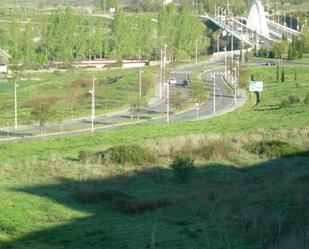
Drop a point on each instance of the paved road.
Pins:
(224, 100)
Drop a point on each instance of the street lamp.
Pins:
(225, 62)
(167, 86)
(235, 83)
(15, 102)
(214, 93)
(218, 47)
(197, 107)
(140, 83)
(92, 92)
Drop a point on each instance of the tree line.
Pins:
(66, 36)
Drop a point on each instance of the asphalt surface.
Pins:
(224, 100)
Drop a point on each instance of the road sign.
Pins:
(256, 86)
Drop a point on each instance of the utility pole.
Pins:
(15, 103)
(225, 62)
(218, 47)
(235, 87)
(161, 74)
(164, 64)
(140, 83)
(195, 51)
(92, 92)
(214, 93)
(232, 45)
(167, 85)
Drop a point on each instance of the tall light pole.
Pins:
(218, 46)
(15, 103)
(232, 45)
(225, 62)
(140, 83)
(214, 94)
(167, 85)
(235, 87)
(161, 74)
(164, 64)
(195, 51)
(92, 92)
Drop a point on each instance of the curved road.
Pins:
(224, 102)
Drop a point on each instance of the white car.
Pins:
(173, 81)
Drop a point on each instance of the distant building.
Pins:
(3, 68)
(167, 2)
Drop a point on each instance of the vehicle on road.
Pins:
(173, 81)
(186, 83)
(269, 63)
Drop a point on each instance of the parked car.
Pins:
(173, 81)
(270, 63)
(186, 83)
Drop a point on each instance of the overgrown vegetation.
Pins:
(183, 167)
(272, 149)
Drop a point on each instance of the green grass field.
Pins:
(68, 91)
(244, 201)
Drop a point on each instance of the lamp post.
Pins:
(161, 74)
(164, 65)
(225, 62)
(195, 51)
(15, 103)
(197, 107)
(140, 83)
(92, 92)
(218, 47)
(167, 85)
(214, 93)
(232, 45)
(235, 85)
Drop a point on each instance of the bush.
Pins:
(272, 149)
(218, 149)
(183, 167)
(306, 100)
(293, 99)
(284, 103)
(289, 100)
(86, 156)
(127, 154)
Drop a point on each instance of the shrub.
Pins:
(284, 103)
(218, 149)
(86, 156)
(272, 149)
(289, 100)
(306, 100)
(183, 167)
(131, 154)
(293, 99)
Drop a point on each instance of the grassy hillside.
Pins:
(235, 199)
(69, 92)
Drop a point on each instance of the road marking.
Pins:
(181, 72)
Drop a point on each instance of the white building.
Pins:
(3, 68)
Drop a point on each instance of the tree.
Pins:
(44, 113)
(177, 100)
(137, 106)
(282, 74)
